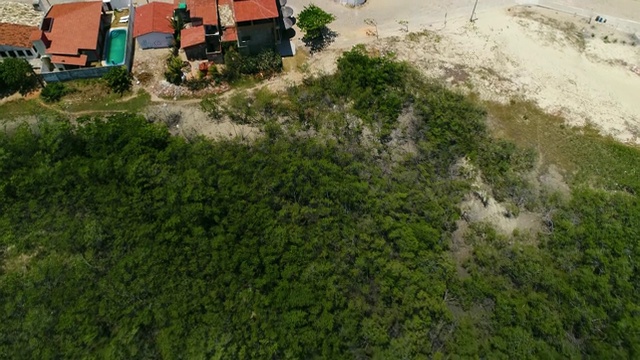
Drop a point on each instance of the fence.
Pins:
(84, 73)
(128, 59)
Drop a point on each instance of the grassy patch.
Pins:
(298, 62)
(586, 156)
(17, 108)
(93, 95)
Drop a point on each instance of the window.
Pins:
(20, 53)
(12, 54)
(47, 24)
(3, 54)
(29, 53)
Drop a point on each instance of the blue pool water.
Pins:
(116, 46)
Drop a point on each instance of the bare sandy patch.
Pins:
(188, 120)
(552, 59)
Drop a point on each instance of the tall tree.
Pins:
(17, 75)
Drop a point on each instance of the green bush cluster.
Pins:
(53, 92)
(118, 79)
(264, 64)
(174, 73)
(312, 20)
(149, 246)
(312, 241)
(16, 75)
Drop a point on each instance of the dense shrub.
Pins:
(174, 73)
(264, 64)
(310, 242)
(118, 79)
(53, 92)
(16, 75)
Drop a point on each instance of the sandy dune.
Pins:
(569, 67)
(510, 54)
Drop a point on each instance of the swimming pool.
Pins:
(116, 46)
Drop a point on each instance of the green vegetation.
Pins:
(174, 73)
(313, 21)
(586, 155)
(118, 79)
(263, 65)
(16, 75)
(19, 109)
(177, 24)
(53, 92)
(324, 238)
(107, 103)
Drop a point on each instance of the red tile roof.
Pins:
(36, 34)
(248, 10)
(204, 9)
(16, 35)
(75, 26)
(192, 36)
(153, 17)
(230, 34)
(69, 60)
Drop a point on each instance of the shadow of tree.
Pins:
(320, 43)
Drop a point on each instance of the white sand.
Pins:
(509, 56)
(506, 56)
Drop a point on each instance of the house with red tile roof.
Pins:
(15, 41)
(152, 26)
(256, 25)
(72, 34)
(201, 38)
(251, 25)
(193, 40)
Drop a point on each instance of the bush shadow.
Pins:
(322, 42)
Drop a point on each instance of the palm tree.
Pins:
(177, 24)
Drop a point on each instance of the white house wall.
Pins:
(15, 49)
(155, 40)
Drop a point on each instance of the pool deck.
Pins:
(117, 15)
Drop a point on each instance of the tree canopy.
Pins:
(118, 79)
(312, 20)
(121, 241)
(16, 75)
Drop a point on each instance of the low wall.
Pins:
(128, 59)
(84, 73)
